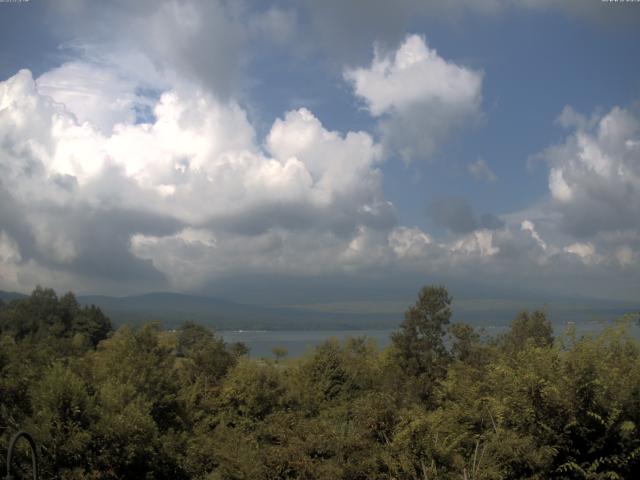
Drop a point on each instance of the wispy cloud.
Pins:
(481, 171)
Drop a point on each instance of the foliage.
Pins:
(419, 344)
(148, 403)
(44, 315)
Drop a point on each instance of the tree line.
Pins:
(442, 401)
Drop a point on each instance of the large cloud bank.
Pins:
(192, 190)
(118, 174)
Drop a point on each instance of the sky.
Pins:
(317, 152)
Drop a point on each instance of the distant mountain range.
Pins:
(172, 309)
(8, 296)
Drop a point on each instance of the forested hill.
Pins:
(138, 403)
(8, 296)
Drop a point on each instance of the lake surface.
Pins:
(298, 342)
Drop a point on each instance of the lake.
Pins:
(297, 342)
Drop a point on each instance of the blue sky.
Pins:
(334, 146)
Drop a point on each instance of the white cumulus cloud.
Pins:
(191, 191)
(594, 175)
(419, 96)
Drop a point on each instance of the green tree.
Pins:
(419, 344)
(324, 372)
(466, 344)
(533, 328)
(192, 336)
(63, 415)
(251, 392)
(45, 316)
(238, 349)
(204, 360)
(90, 322)
(279, 353)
